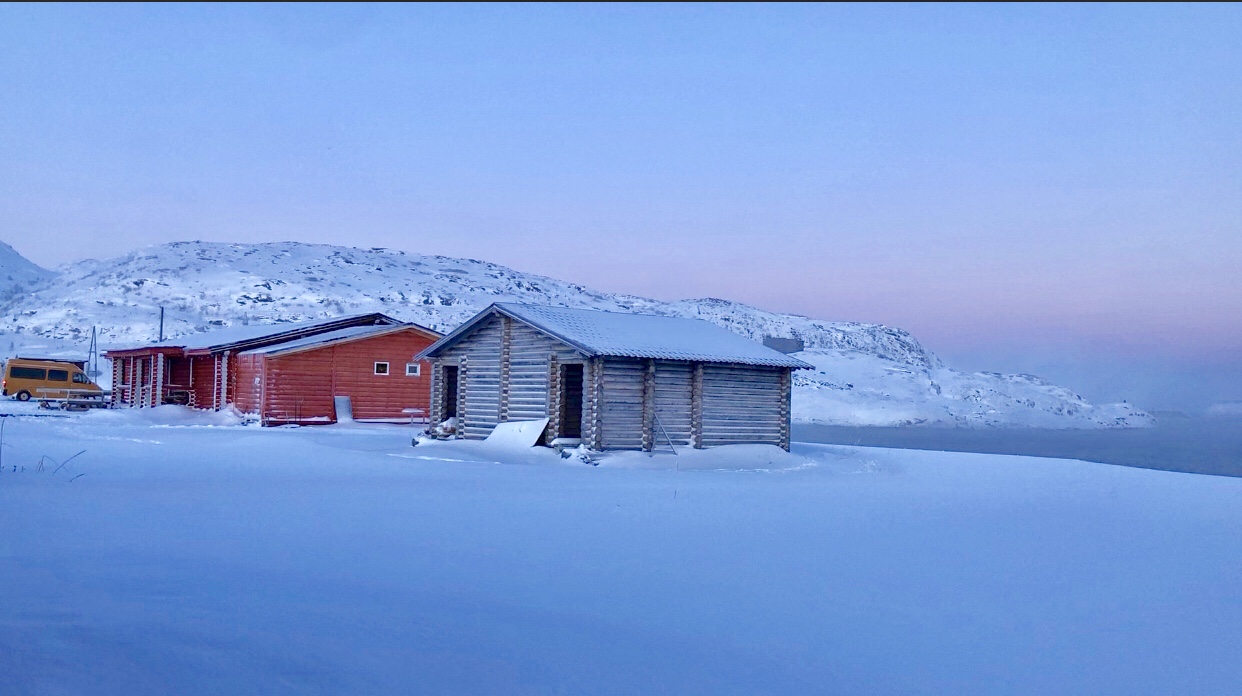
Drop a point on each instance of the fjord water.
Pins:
(1175, 443)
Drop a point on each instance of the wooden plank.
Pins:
(506, 339)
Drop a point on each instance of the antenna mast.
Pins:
(92, 356)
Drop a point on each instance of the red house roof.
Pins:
(242, 338)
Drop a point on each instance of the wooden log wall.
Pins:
(743, 405)
(696, 407)
(649, 426)
(202, 373)
(786, 407)
(463, 369)
(230, 373)
(511, 371)
(378, 397)
(673, 399)
(247, 398)
(554, 399)
(301, 389)
(506, 346)
(640, 401)
(300, 386)
(532, 386)
(620, 400)
(478, 380)
(436, 412)
(177, 373)
(509, 374)
(592, 404)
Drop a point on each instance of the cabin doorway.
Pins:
(450, 392)
(571, 401)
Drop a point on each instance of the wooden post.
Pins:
(215, 384)
(696, 407)
(461, 397)
(786, 409)
(117, 367)
(592, 429)
(554, 399)
(649, 406)
(262, 391)
(435, 414)
(150, 400)
(506, 346)
(193, 400)
(588, 403)
(157, 390)
(224, 380)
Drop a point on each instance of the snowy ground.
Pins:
(172, 557)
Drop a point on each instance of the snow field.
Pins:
(194, 556)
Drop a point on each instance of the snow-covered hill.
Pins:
(203, 286)
(18, 274)
(861, 388)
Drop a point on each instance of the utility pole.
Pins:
(92, 356)
(161, 323)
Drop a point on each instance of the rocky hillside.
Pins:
(203, 286)
(18, 274)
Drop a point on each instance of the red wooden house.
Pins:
(284, 373)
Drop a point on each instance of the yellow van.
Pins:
(27, 378)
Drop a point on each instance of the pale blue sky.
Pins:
(1016, 185)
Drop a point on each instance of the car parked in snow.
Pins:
(47, 379)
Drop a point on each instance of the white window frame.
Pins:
(387, 368)
(418, 369)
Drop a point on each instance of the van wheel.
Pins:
(23, 395)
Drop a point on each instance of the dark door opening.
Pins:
(571, 401)
(450, 391)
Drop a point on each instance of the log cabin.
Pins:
(610, 380)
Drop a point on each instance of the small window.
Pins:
(79, 378)
(413, 369)
(27, 373)
(58, 375)
(381, 368)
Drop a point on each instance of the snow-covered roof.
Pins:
(346, 334)
(257, 335)
(234, 334)
(597, 333)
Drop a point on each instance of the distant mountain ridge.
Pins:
(205, 285)
(18, 274)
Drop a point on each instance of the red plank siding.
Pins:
(177, 375)
(247, 379)
(299, 386)
(204, 373)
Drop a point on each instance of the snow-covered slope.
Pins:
(18, 274)
(852, 387)
(209, 285)
(162, 552)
